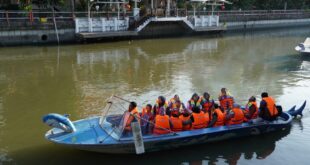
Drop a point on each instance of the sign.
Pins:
(137, 137)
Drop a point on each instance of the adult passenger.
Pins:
(218, 117)
(226, 100)
(147, 117)
(175, 104)
(207, 103)
(160, 104)
(268, 109)
(194, 102)
(176, 122)
(131, 115)
(199, 118)
(235, 116)
(251, 109)
(162, 123)
(186, 119)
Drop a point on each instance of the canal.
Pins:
(76, 80)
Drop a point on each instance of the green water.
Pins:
(77, 79)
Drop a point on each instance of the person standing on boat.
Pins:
(195, 101)
(131, 115)
(235, 116)
(207, 103)
(267, 108)
(160, 103)
(162, 123)
(226, 100)
(251, 109)
(218, 117)
(147, 117)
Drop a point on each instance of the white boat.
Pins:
(304, 47)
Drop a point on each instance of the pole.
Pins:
(88, 12)
(55, 24)
(118, 11)
(168, 8)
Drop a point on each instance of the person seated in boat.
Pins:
(251, 109)
(207, 103)
(175, 102)
(195, 101)
(130, 116)
(160, 103)
(162, 123)
(186, 119)
(235, 116)
(176, 122)
(218, 117)
(177, 108)
(199, 118)
(267, 108)
(147, 117)
(226, 100)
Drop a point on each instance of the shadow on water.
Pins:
(230, 151)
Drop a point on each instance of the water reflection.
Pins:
(146, 70)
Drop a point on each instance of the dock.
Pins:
(101, 35)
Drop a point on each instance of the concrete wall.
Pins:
(164, 29)
(35, 37)
(154, 29)
(264, 24)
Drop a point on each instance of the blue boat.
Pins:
(105, 133)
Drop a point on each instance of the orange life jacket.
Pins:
(238, 117)
(187, 126)
(133, 114)
(193, 104)
(247, 110)
(206, 105)
(207, 118)
(200, 120)
(173, 103)
(271, 106)
(220, 118)
(162, 125)
(226, 102)
(176, 124)
(144, 111)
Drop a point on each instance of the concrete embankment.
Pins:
(266, 24)
(12, 37)
(35, 37)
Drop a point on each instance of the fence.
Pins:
(10, 20)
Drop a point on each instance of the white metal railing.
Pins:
(101, 24)
(204, 21)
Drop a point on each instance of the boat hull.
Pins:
(106, 144)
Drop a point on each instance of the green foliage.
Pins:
(269, 4)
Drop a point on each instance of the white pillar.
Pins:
(115, 24)
(77, 26)
(210, 20)
(90, 25)
(103, 24)
(168, 8)
(136, 10)
(117, 10)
